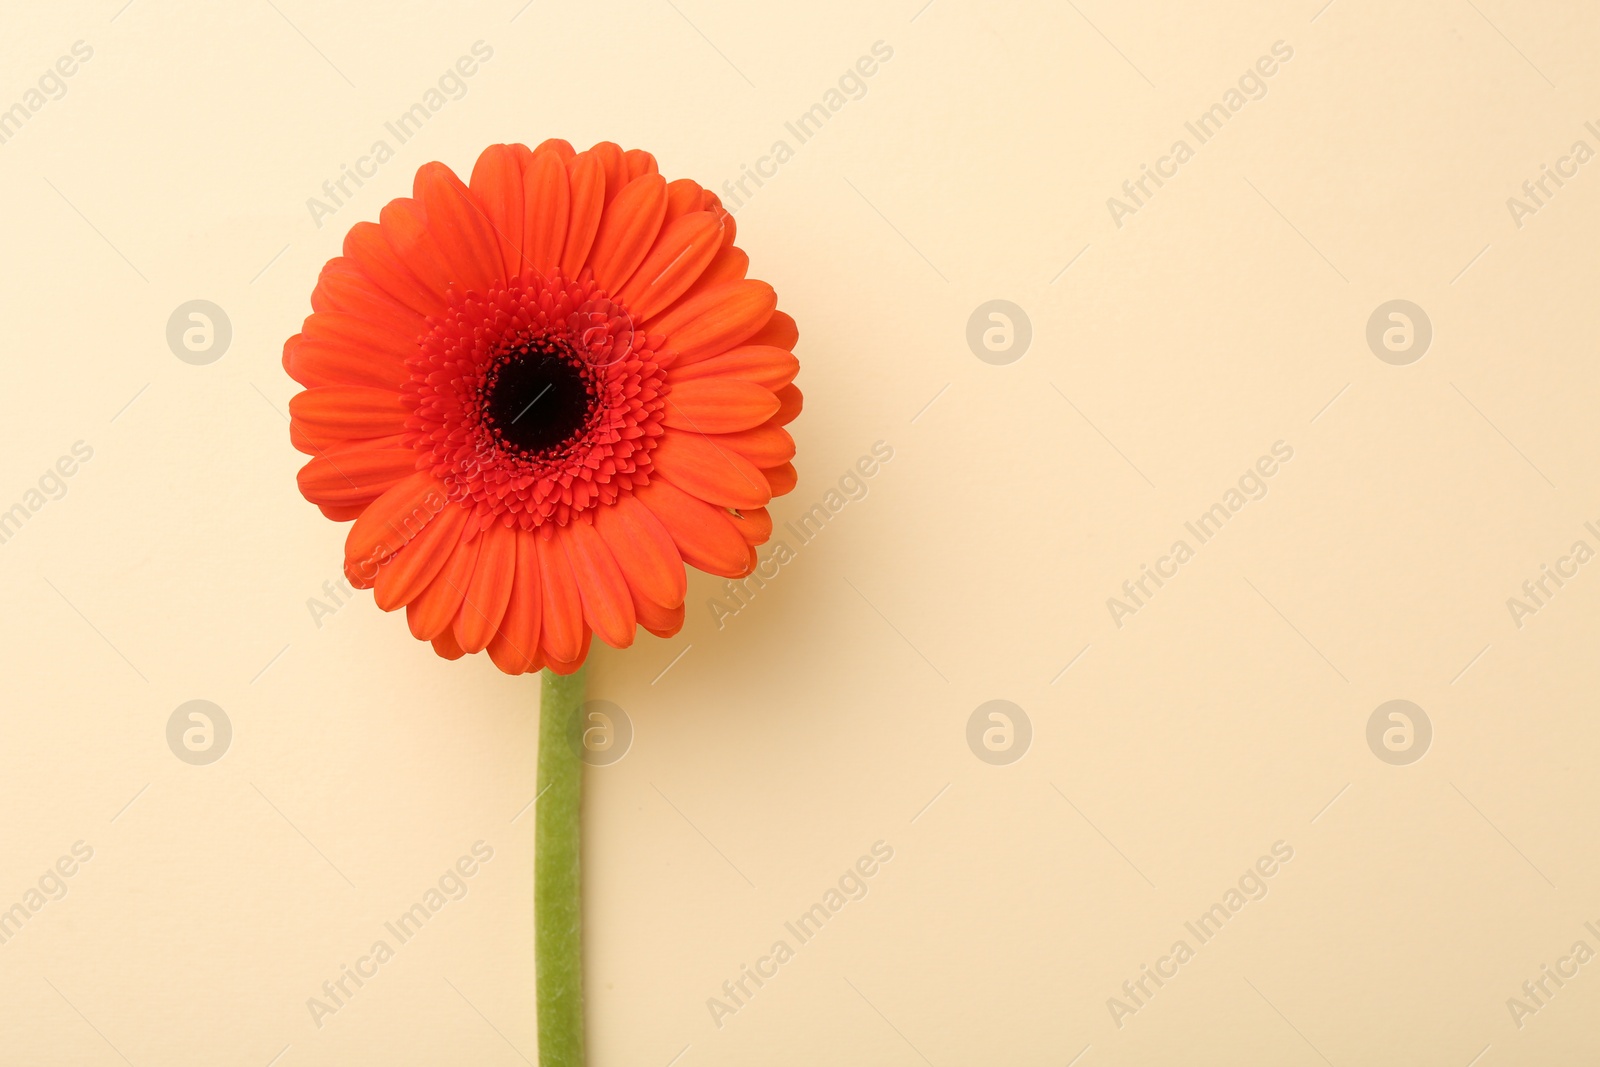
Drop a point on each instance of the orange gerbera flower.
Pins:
(539, 396)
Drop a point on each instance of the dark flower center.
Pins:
(539, 398)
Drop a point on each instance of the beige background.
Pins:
(1228, 714)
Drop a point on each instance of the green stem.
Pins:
(557, 881)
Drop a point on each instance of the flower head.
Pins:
(539, 395)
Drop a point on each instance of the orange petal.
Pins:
(728, 265)
(432, 613)
(392, 520)
(459, 229)
(445, 645)
(755, 525)
(607, 603)
(765, 446)
(715, 320)
(349, 411)
(790, 401)
(663, 622)
(355, 476)
(314, 363)
(682, 251)
(782, 478)
(368, 248)
(496, 185)
(568, 666)
(489, 590)
(515, 647)
(610, 157)
(403, 578)
(561, 628)
(644, 550)
(696, 465)
(771, 367)
(639, 162)
(546, 196)
(779, 332)
(683, 196)
(718, 405)
(343, 287)
(563, 150)
(627, 230)
(587, 179)
(705, 536)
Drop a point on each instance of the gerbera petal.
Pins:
(682, 251)
(683, 196)
(343, 287)
(765, 446)
(497, 186)
(610, 156)
(607, 603)
(663, 622)
(645, 551)
(546, 196)
(715, 320)
(728, 265)
(779, 332)
(561, 628)
(312, 363)
(587, 179)
(718, 405)
(349, 411)
(392, 520)
(405, 228)
(459, 229)
(489, 590)
(693, 463)
(764, 364)
(368, 248)
(790, 401)
(568, 666)
(754, 525)
(404, 577)
(562, 149)
(515, 647)
(627, 229)
(639, 162)
(782, 478)
(433, 612)
(445, 645)
(705, 536)
(356, 476)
